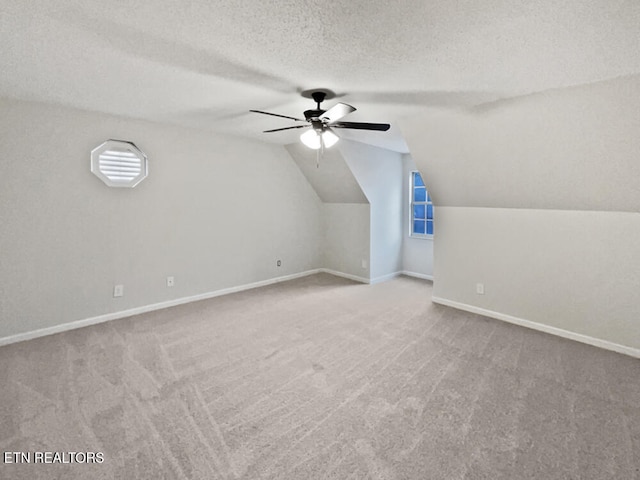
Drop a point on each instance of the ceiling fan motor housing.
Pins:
(318, 125)
(312, 115)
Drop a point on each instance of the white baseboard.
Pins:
(384, 278)
(423, 276)
(20, 337)
(345, 275)
(381, 278)
(578, 337)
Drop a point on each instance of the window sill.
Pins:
(421, 237)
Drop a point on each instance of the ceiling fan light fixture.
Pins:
(329, 138)
(311, 139)
(314, 140)
(321, 135)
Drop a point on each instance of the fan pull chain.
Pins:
(320, 152)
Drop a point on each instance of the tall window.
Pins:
(421, 208)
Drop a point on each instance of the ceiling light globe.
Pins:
(329, 138)
(311, 139)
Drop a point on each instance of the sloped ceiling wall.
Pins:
(345, 210)
(332, 180)
(576, 148)
(538, 199)
(356, 173)
(379, 172)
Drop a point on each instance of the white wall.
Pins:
(538, 198)
(577, 271)
(379, 173)
(417, 253)
(346, 232)
(346, 238)
(215, 212)
(362, 190)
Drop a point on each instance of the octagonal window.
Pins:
(119, 163)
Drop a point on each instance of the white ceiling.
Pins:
(204, 63)
(330, 176)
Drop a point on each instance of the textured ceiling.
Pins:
(204, 64)
(329, 175)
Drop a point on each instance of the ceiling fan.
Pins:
(322, 122)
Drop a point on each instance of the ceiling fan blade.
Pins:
(383, 127)
(285, 128)
(277, 115)
(336, 112)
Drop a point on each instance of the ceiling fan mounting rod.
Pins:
(318, 97)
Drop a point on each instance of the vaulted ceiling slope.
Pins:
(575, 148)
(205, 63)
(329, 175)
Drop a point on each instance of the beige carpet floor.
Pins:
(320, 378)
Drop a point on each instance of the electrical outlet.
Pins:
(279, 263)
(118, 291)
(170, 281)
(364, 264)
(480, 288)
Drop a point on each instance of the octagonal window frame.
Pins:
(114, 162)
